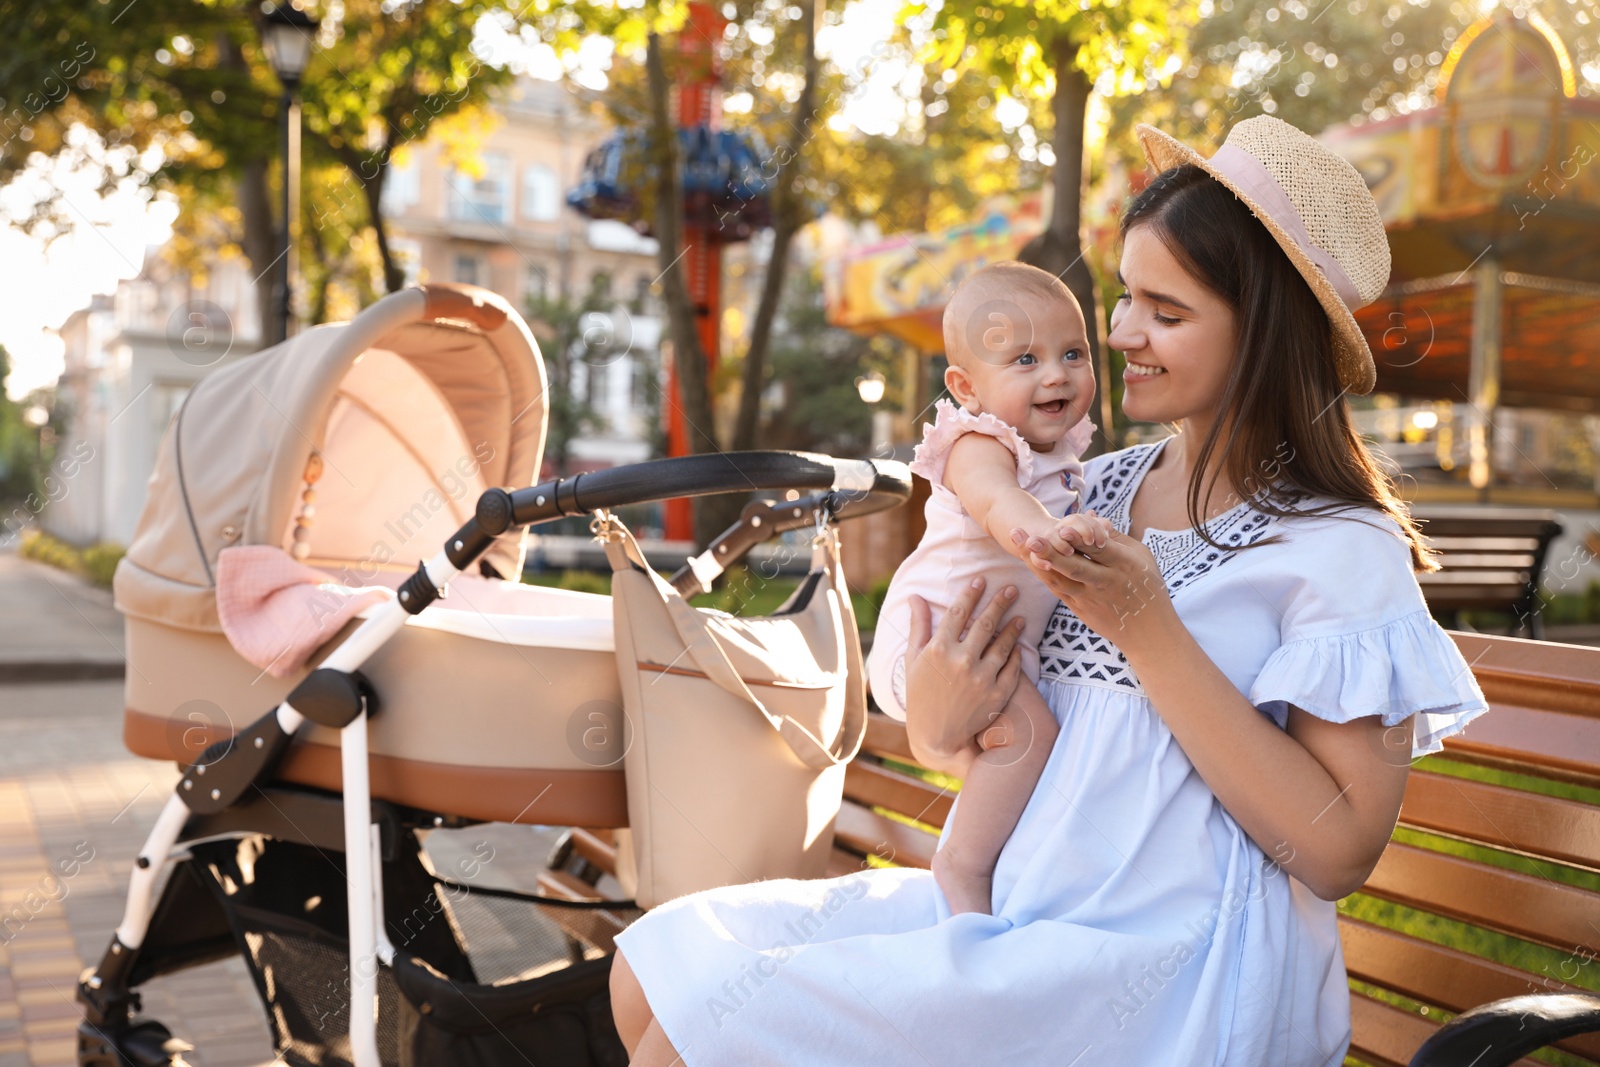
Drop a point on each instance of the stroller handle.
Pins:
(871, 485)
(843, 488)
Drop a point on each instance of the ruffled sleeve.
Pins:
(1396, 670)
(952, 422)
(1080, 436)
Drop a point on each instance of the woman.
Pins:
(1242, 676)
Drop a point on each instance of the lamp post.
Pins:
(871, 387)
(287, 33)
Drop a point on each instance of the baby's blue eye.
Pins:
(1073, 355)
(1027, 359)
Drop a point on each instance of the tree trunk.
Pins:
(394, 276)
(260, 238)
(787, 219)
(1059, 249)
(260, 245)
(689, 358)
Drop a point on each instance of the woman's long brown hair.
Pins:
(1283, 424)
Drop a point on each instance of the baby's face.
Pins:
(1025, 361)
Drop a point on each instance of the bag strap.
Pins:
(702, 646)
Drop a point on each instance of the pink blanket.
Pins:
(276, 612)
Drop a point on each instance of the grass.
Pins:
(97, 563)
(743, 592)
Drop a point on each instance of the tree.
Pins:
(1319, 65)
(814, 369)
(790, 116)
(1060, 49)
(382, 76)
(26, 451)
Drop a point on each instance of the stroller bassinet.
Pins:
(414, 412)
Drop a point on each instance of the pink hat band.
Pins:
(1252, 177)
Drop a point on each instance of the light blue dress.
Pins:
(1134, 921)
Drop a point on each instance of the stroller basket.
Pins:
(511, 972)
(301, 833)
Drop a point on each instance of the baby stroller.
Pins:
(293, 835)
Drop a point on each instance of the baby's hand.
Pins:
(1084, 530)
(1071, 534)
(1045, 528)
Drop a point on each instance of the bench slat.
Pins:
(1546, 744)
(1454, 543)
(864, 831)
(1384, 1035)
(1454, 581)
(596, 847)
(1440, 976)
(1534, 674)
(873, 785)
(566, 886)
(1388, 1037)
(887, 737)
(1535, 909)
(1520, 561)
(1564, 830)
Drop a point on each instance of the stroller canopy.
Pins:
(424, 400)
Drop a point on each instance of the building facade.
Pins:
(508, 228)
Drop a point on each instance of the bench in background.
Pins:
(1491, 559)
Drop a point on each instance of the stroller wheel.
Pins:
(146, 1044)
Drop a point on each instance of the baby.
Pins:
(1006, 457)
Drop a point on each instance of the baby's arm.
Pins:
(982, 473)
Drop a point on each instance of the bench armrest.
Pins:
(1501, 1032)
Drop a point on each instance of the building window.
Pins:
(541, 194)
(485, 199)
(641, 294)
(402, 188)
(468, 270)
(535, 285)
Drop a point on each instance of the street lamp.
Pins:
(871, 387)
(287, 33)
(36, 418)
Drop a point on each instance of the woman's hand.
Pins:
(960, 676)
(1116, 589)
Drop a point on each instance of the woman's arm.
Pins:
(960, 676)
(1320, 798)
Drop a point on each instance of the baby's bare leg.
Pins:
(993, 794)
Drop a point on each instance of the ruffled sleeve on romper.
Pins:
(952, 422)
(1359, 641)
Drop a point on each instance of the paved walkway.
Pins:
(55, 626)
(74, 808)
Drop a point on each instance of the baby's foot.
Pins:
(965, 889)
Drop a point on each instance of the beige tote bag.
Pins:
(741, 727)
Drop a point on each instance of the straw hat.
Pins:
(1317, 207)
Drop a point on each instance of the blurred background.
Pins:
(841, 166)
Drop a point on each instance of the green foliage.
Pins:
(1121, 41)
(578, 581)
(1316, 64)
(97, 562)
(814, 367)
(22, 464)
(191, 77)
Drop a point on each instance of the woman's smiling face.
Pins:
(1178, 336)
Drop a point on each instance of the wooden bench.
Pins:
(1489, 890)
(1491, 559)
